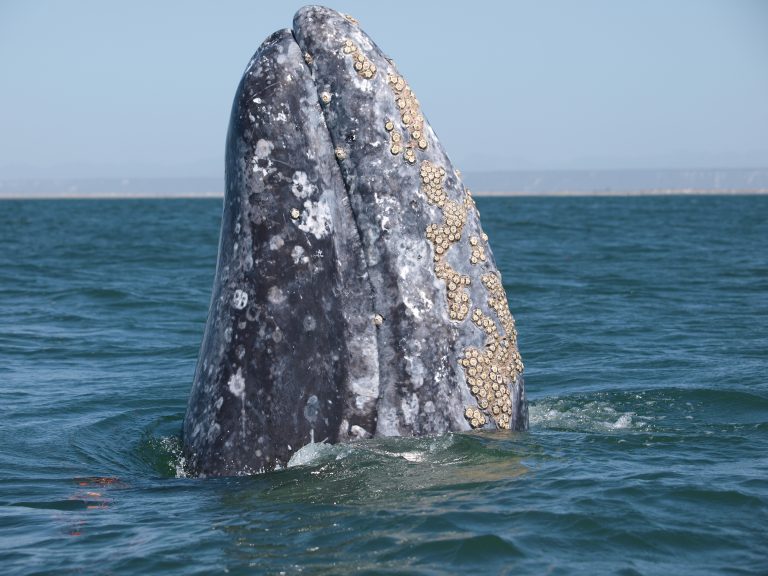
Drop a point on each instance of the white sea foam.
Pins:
(307, 455)
(592, 416)
(171, 445)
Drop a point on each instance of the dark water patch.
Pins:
(64, 505)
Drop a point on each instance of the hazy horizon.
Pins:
(512, 183)
(95, 90)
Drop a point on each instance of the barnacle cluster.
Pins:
(410, 116)
(497, 300)
(364, 67)
(458, 299)
(489, 371)
(395, 138)
(475, 417)
(445, 235)
(478, 251)
(432, 178)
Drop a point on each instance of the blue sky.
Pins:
(130, 89)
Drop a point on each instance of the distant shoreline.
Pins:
(486, 194)
(649, 192)
(520, 183)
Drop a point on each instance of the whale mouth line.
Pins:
(347, 195)
(376, 318)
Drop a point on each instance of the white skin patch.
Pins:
(358, 432)
(275, 295)
(240, 299)
(311, 409)
(302, 187)
(412, 308)
(276, 242)
(316, 219)
(364, 402)
(297, 254)
(237, 383)
(367, 387)
(263, 148)
(410, 409)
(362, 84)
(261, 153)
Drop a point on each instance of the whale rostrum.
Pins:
(355, 292)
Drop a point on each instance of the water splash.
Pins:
(578, 414)
(164, 455)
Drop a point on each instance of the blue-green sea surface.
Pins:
(644, 328)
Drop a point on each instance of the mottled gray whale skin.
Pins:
(355, 292)
(289, 334)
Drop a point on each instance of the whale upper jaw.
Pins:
(355, 291)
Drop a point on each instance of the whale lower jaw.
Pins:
(355, 291)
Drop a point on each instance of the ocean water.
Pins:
(643, 325)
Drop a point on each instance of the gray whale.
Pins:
(355, 291)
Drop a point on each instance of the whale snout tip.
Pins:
(312, 12)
